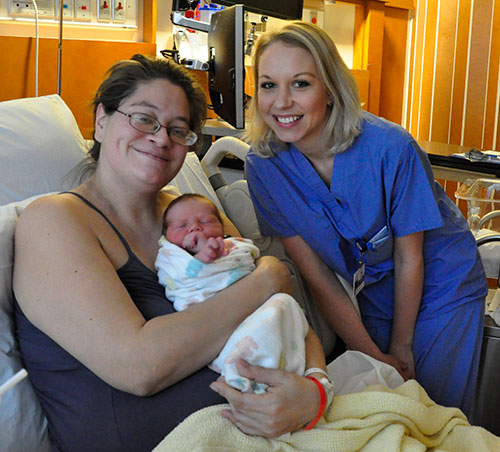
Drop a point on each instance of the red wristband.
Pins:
(322, 404)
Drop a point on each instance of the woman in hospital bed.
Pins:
(353, 194)
(114, 366)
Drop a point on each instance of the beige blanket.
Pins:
(378, 419)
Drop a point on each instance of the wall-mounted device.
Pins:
(102, 13)
(83, 9)
(26, 8)
(226, 76)
(282, 9)
(68, 9)
(104, 10)
(225, 66)
(119, 11)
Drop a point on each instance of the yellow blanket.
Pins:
(378, 419)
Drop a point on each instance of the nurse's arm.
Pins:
(408, 283)
(332, 299)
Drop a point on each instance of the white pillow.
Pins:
(23, 425)
(39, 144)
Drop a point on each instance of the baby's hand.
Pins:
(213, 249)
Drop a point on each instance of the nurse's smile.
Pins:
(287, 120)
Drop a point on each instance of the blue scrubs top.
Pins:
(382, 187)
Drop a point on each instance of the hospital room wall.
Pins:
(454, 73)
(378, 44)
(85, 57)
(442, 83)
(81, 69)
(87, 52)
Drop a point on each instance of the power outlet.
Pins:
(104, 10)
(27, 9)
(68, 9)
(22, 9)
(119, 10)
(83, 10)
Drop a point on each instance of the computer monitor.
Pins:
(283, 9)
(226, 74)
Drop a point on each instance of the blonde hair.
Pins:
(344, 123)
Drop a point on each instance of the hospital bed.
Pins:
(40, 144)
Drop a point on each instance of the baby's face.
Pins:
(191, 222)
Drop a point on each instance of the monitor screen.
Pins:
(283, 9)
(226, 75)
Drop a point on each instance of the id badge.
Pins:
(358, 280)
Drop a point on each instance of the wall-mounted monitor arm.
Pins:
(179, 19)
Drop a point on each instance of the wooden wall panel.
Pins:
(373, 44)
(454, 94)
(443, 77)
(84, 64)
(428, 69)
(491, 139)
(392, 80)
(472, 132)
(414, 94)
(460, 71)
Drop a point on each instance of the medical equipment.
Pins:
(283, 9)
(483, 215)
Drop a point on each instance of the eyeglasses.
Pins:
(149, 124)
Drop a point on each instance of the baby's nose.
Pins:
(194, 227)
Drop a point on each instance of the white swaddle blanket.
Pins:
(188, 280)
(272, 337)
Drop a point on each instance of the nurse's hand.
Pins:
(394, 362)
(404, 354)
(290, 402)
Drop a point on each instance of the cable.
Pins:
(35, 6)
(59, 48)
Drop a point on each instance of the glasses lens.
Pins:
(183, 136)
(144, 123)
(148, 124)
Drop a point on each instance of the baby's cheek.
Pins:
(175, 237)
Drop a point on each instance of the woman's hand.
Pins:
(290, 402)
(404, 354)
(392, 361)
(275, 274)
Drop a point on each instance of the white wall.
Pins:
(339, 24)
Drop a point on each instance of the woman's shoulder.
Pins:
(384, 138)
(377, 126)
(282, 158)
(62, 212)
(50, 204)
